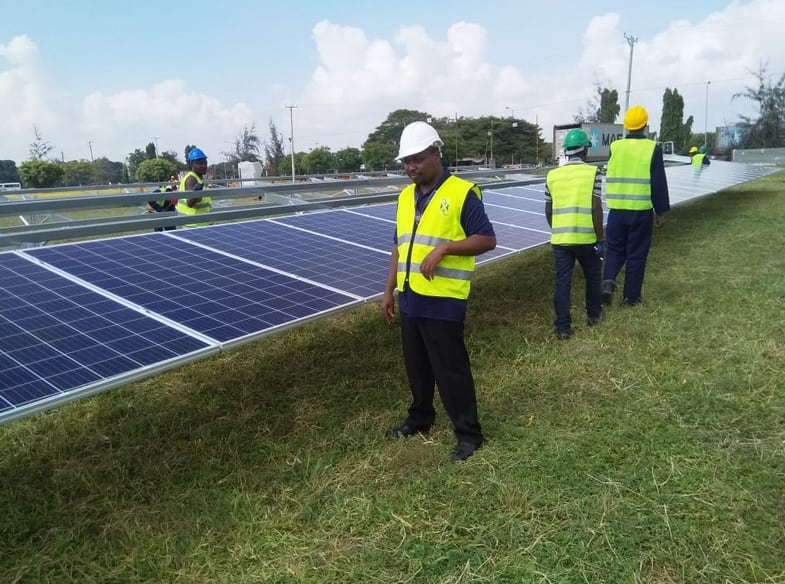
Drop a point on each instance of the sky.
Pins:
(113, 76)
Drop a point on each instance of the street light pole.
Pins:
(155, 140)
(291, 133)
(706, 119)
(90, 145)
(631, 40)
(512, 111)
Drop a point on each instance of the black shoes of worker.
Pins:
(406, 429)
(632, 301)
(564, 335)
(608, 286)
(463, 450)
(595, 320)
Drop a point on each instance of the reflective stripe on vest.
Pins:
(571, 188)
(628, 180)
(440, 223)
(204, 206)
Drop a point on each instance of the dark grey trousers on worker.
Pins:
(434, 353)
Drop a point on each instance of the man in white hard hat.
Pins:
(441, 226)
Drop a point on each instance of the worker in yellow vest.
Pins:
(573, 208)
(635, 183)
(699, 157)
(194, 181)
(441, 226)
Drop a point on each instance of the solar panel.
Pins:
(364, 230)
(352, 269)
(103, 312)
(219, 296)
(58, 339)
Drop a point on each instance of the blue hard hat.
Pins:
(195, 154)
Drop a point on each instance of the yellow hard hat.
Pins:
(636, 118)
(694, 150)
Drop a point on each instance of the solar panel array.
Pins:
(79, 318)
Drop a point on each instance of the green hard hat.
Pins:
(576, 138)
(702, 150)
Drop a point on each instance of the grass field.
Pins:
(649, 449)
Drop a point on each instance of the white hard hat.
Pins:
(417, 137)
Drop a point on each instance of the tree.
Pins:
(768, 129)
(171, 156)
(8, 171)
(348, 160)
(672, 128)
(106, 171)
(379, 155)
(40, 174)
(602, 107)
(389, 132)
(77, 173)
(247, 146)
(150, 151)
(39, 148)
(319, 161)
(274, 152)
(155, 170)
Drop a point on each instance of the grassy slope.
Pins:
(648, 449)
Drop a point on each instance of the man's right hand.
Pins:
(388, 307)
(659, 220)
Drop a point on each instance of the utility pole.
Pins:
(456, 140)
(631, 40)
(706, 119)
(155, 140)
(291, 133)
(90, 145)
(491, 135)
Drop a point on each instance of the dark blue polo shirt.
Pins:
(474, 221)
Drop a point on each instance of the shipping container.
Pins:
(601, 136)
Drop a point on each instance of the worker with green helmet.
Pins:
(573, 208)
(635, 184)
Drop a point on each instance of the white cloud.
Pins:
(358, 80)
(170, 108)
(25, 95)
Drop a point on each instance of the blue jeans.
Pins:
(564, 257)
(629, 238)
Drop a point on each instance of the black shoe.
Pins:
(564, 335)
(405, 429)
(632, 301)
(463, 450)
(608, 286)
(592, 320)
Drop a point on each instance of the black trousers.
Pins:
(435, 354)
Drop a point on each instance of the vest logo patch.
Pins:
(444, 206)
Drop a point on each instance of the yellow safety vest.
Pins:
(628, 180)
(440, 222)
(204, 206)
(697, 160)
(571, 188)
